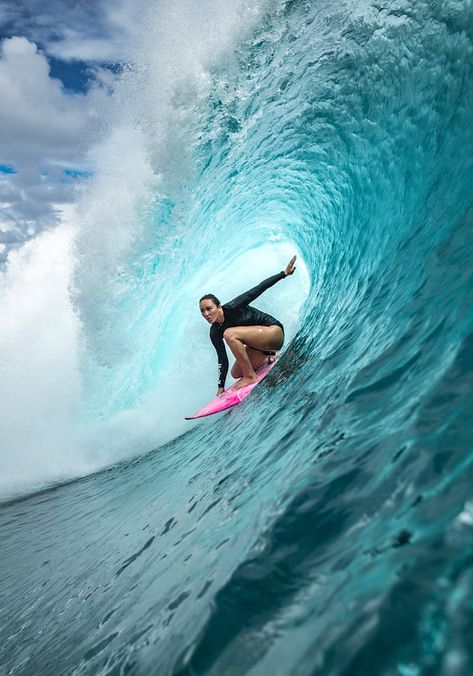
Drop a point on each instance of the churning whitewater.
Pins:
(325, 525)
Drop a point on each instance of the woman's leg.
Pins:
(257, 358)
(238, 338)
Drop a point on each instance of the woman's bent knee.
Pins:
(229, 334)
(278, 337)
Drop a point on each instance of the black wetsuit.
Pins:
(238, 312)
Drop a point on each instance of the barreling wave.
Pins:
(324, 526)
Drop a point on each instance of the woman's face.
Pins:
(209, 310)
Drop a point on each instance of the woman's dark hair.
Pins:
(210, 296)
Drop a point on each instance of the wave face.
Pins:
(325, 526)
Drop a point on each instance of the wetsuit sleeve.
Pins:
(249, 296)
(219, 346)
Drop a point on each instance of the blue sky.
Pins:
(74, 35)
(54, 60)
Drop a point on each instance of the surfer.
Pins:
(251, 335)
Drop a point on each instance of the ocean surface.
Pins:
(325, 526)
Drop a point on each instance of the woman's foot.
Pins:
(243, 382)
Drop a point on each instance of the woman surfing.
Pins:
(251, 335)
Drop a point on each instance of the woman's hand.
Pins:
(290, 266)
(220, 391)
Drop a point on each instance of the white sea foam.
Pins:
(101, 357)
(40, 394)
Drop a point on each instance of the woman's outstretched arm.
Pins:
(249, 296)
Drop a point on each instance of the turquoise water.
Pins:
(325, 526)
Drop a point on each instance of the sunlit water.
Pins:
(324, 526)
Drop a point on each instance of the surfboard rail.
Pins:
(231, 396)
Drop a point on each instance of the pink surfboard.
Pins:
(231, 397)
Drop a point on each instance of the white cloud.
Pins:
(75, 46)
(42, 129)
(36, 117)
(10, 13)
(97, 33)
